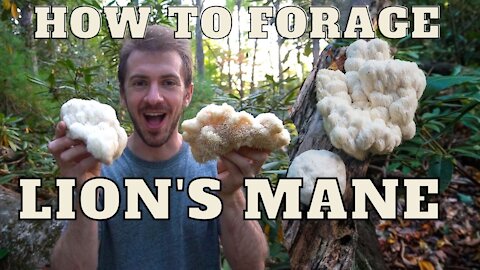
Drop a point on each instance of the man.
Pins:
(155, 76)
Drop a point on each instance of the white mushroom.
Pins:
(370, 108)
(217, 130)
(95, 124)
(313, 164)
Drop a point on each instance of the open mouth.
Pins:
(154, 120)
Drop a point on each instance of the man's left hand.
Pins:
(235, 166)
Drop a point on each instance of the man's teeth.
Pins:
(154, 118)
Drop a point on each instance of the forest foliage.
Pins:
(37, 76)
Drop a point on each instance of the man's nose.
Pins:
(154, 94)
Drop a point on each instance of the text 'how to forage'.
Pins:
(326, 202)
(216, 22)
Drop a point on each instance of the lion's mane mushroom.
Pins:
(95, 124)
(313, 164)
(217, 130)
(370, 108)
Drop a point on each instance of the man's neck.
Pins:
(148, 153)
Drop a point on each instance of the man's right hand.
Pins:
(73, 159)
(77, 247)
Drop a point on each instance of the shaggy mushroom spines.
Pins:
(313, 164)
(219, 129)
(96, 124)
(369, 108)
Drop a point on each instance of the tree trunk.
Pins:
(315, 41)
(280, 41)
(28, 242)
(315, 49)
(330, 244)
(252, 80)
(327, 244)
(229, 65)
(240, 58)
(199, 54)
(26, 22)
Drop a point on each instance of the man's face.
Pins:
(155, 94)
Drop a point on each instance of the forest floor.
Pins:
(451, 242)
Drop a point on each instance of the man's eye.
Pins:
(170, 83)
(140, 83)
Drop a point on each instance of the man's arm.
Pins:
(243, 241)
(77, 247)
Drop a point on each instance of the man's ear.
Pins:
(188, 95)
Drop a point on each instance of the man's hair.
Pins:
(157, 38)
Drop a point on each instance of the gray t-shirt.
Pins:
(178, 243)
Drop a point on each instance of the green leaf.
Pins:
(441, 168)
(38, 81)
(406, 170)
(271, 165)
(278, 172)
(466, 199)
(6, 178)
(438, 83)
(13, 145)
(226, 266)
(285, 58)
(3, 253)
(307, 50)
(467, 152)
(433, 127)
(457, 119)
(51, 79)
(412, 54)
(456, 70)
(234, 96)
(69, 64)
(88, 78)
(269, 78)
(393, 166)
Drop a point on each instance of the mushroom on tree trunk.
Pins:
(327, 244)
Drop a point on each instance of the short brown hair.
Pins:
(157, 38)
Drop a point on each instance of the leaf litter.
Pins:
(451, 242)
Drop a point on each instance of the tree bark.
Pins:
(240, 57)
(199, 54)
(26, 22)
(229, 65)
(327, 244)
(330, 244)
(315, 41)
(252, 80)
(280, 41)
(28, 242)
